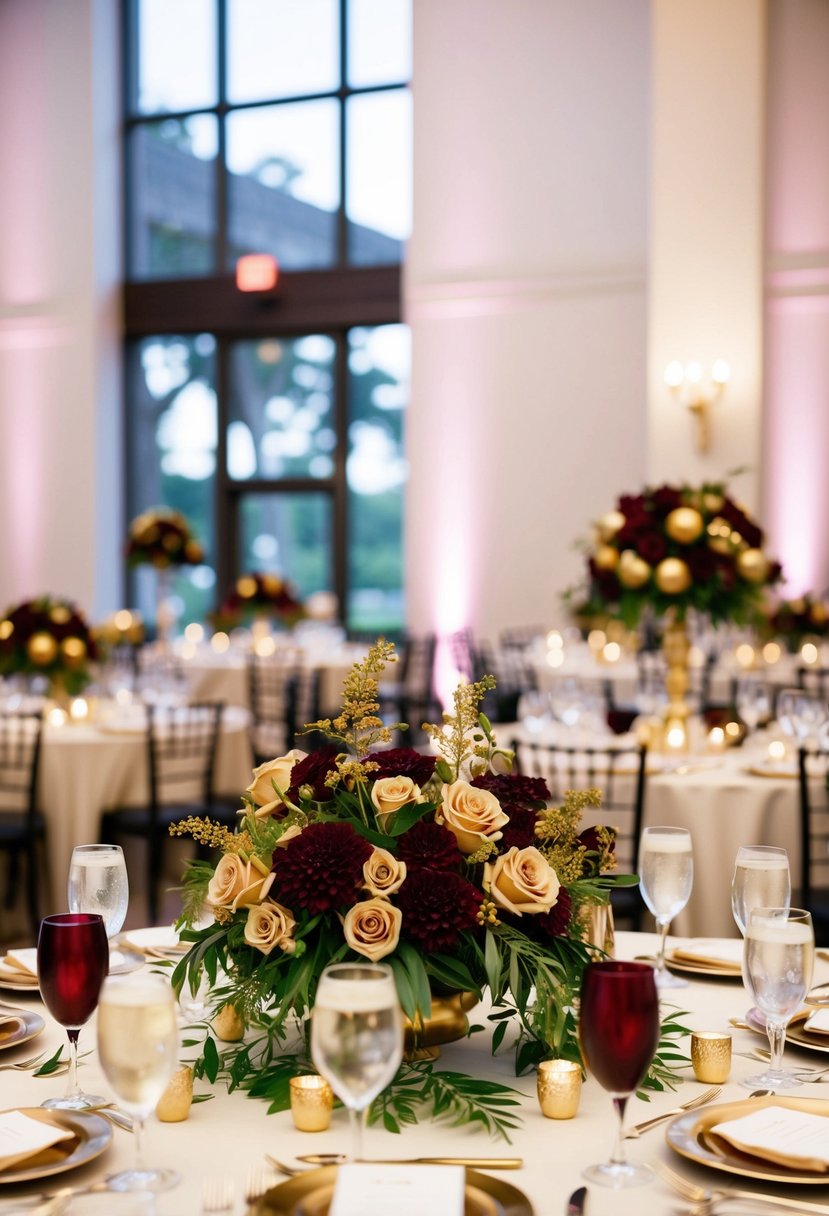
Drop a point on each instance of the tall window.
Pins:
(277, 423)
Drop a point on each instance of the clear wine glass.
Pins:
(762, 879)
(619, 1032)
(138, 1048)
(72, 962)
(778, 959)
(98, 883)
(752, 702)
(666, 875)
(357, 1037)
(801, 715)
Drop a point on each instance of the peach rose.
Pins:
(383, 873)
(472, 815)
(261, 789)
(237, 884)
(522, 881)
(269, 925)
(372, 928)
(390, 793)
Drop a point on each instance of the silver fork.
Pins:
(705, 1198)
(260, 1179)
(22, 1065)
(217, 1194)
(707, 1095)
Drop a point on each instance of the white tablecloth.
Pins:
(230, 1133)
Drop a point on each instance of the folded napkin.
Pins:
(792, 1138)
(818, 1022)
(23, 960)
(720, 953)
(30, 1138)
(9, 1026)
(376, 1190)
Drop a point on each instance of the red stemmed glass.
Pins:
(619, 1033)
(72, 962)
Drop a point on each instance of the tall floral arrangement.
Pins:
(48, 636)
(678, 547)
(798, 620)
(258, 594)
(449, 867)
(162, 537)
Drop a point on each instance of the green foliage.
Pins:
(668, 1061)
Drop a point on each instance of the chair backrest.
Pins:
(813, 768)
(418, 665)
(520, 637)
(182, 752)
(284, 694)
(619, 772)
(814, 679)
(159, 674)
(20, 737)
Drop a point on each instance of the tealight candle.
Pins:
(194, 633)
(809, 653)
(559, 1088)
(220, 642)
(612, 652)
(771, 653)
(79, 709)
(56, 717)
(711, 1056)
(777, 750)
(716, 739)
(312, 1101)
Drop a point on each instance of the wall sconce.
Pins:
(698, 390)
(257, 272)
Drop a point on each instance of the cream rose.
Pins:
(383, 873)
(261, 788)
(522, 881)
(237, 884)
(372, 928)
(472, 815)
(390, 793)
(270, 925)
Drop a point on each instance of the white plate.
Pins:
(158, 937)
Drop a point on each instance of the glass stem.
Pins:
(72, 1088)
(777, 1039)
(618, 1156)
(138, 1135)
(662, 926)
(358, 1123)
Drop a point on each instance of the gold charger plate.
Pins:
(25, 985)
(310, 1194)
(690, 1136)
(689, 967)
(796, 1034)
(29, 1026)
(787, 774)
(91, 1135)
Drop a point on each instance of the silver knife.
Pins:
(576, 1202)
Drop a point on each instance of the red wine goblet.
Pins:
(619, 1033)
(72, 962)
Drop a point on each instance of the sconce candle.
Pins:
(698, 392)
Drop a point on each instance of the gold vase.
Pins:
(597, 930)
(675, 647)
(446, 1024)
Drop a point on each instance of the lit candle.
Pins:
(220, 642)
(56, 717)
(777, 750)
(745, 656)
(809, 653)
(194, 633)
(612, 652)
(596, 639)
(716, 739)
(79, 709)
(772, 653)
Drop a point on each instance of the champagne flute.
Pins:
(752, 701)
(357, 1037)
(761, 880)
(778, 958)
(98, 883)
(72, 961)
(138, 1048)
(666, 874)
(619, 1033)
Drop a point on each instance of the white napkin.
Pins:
(22, 1137)
(20, 965)
(818, 1022)
(9, 1025)
(713, 951)
(777, 1133)
(377, 1190)
(160, 937)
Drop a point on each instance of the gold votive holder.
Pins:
(312, 1101)
(559, 1088)
(711, 1056)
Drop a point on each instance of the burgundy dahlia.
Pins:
(512, 790)
(429, 846)
(436, 909)
(321, 869)
(403, 762)
(666, 499)
(520, 831)
(652, 548)
(312, 771)
(556, 922)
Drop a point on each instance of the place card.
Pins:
(780, 1134)
(364, 1189)
(818, 1022)
(22, 1137)
(713, 952)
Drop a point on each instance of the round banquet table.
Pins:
(230, 1133)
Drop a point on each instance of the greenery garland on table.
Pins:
(456, 875)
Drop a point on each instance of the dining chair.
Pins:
(181, 750)
(814, 679)
(412, 697)
(273, 692)
(813, 772)
(22, 826)
(620, 773)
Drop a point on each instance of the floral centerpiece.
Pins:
(261, 596)
(799, 620)
(161, 537)
(449, 867)
(49, 637)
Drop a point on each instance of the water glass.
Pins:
(778, 959)
(752, 702)
(762, 879)
(98, 883)
(801, 715)
(666, 875)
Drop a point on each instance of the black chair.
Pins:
(620, 773)
(412, 697)
(273, 688)
(181, 752)
(22, 827)
(520, 637)
(814, 679)
(813, 771)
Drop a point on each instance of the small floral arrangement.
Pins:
(50, 637)
(450, 867)
(162, 537)
(260, 595)
(678, 548)
(796, 621)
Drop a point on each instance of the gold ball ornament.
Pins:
(271, 584)
(194, 552)
(819, 614)
(606, 557)
(41, 649)
(73, 650)
(608, 525)
(712, 502)
(59, 615)
(246, 587)
(753, 565)
(797, 606)
(672, 576)
(633, 570)
(684, 525)
(720, 536)
(6, 630)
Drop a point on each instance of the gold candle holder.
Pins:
(312, 1101)
(711, 1056)
(559, 1088)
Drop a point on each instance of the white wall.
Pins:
(59, 363)
(525, 290)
